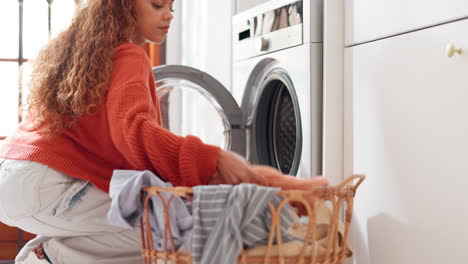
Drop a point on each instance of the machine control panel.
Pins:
(257, 33)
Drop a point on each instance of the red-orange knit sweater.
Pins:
(125, 133)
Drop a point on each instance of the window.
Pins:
(25, 26)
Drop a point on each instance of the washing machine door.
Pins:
(194, 103)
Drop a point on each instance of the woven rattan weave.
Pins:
(334, 247)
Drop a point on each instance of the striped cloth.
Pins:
(228, 217)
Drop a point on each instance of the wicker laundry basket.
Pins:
(333, 247)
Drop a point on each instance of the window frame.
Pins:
(20, 59)
(23, 237)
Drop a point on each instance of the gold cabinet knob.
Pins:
(450, 50)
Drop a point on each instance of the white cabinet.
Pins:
(409, 134)
(372, 19)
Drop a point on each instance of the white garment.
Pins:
(31, 258)
(69, 215)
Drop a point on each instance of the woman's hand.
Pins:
(275, 178)
(234, 169)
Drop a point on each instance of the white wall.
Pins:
(206, 37)
(200, 37)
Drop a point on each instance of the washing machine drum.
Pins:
(275, 129)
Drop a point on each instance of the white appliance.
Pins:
(277, 79)
(276, 116)
(243, 5)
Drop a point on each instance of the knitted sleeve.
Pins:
(136, 132)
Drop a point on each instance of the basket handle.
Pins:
(350, 179)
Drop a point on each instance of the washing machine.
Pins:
(273, 113)
(277, 79)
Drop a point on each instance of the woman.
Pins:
(93, 109)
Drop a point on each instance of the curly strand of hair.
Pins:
(72, 72)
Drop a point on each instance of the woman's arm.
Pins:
(138, 135)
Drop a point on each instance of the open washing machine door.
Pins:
(190, 97)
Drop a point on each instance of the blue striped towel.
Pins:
(228, 217)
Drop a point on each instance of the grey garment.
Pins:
(228, 217)
(127, 207)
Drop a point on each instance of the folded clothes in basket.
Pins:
(127, 208)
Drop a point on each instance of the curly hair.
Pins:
(72, 72)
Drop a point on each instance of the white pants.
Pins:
(68, 215)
